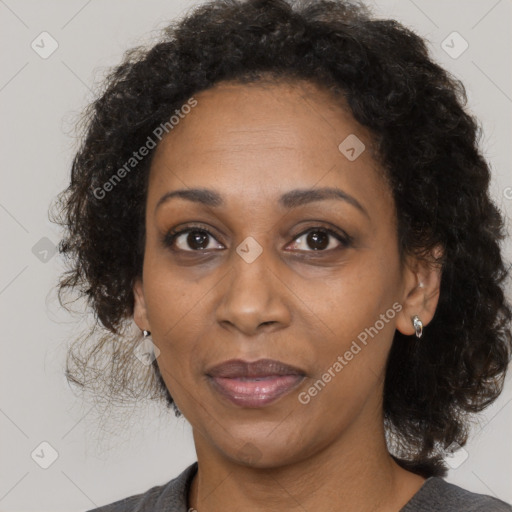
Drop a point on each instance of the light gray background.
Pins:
(39, 102)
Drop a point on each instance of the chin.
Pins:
(264, 453)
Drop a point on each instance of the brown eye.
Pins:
(320, 239)
(190, 240)
(197, 239)
(317, 240)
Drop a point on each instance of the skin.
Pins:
(253, 143)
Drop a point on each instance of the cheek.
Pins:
(173, 307)
(168, 295)
(356, 314)
(350, 370)
(354, 298)
(172, 314)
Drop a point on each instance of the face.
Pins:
(287, 252)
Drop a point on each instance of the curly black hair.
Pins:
(426, 142)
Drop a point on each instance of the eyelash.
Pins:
(344, 239)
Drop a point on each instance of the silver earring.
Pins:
(418, 325)
(146, 333)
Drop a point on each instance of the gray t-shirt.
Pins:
(436, 495)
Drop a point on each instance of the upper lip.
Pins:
(236, 368)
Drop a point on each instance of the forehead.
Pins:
(262, 139)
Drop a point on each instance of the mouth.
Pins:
(255, 384)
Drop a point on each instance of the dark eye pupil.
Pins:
(318, 240)
(197, 239)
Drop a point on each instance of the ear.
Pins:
(422, 283)
(140, 314)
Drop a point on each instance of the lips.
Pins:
(254, 384)
(236, 368)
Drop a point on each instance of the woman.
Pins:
(289, 202)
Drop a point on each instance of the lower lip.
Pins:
(255, 393)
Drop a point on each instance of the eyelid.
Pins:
(170, 236)
(344, 240)
(341, 236)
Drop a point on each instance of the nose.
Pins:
(253, 297)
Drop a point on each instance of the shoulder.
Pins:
(438, 495)
(169, 497)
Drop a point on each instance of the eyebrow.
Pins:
(290, 199)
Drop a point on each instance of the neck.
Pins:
(353, 473)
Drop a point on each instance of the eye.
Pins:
(197, 239)
(321, 240)
(191, 239)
